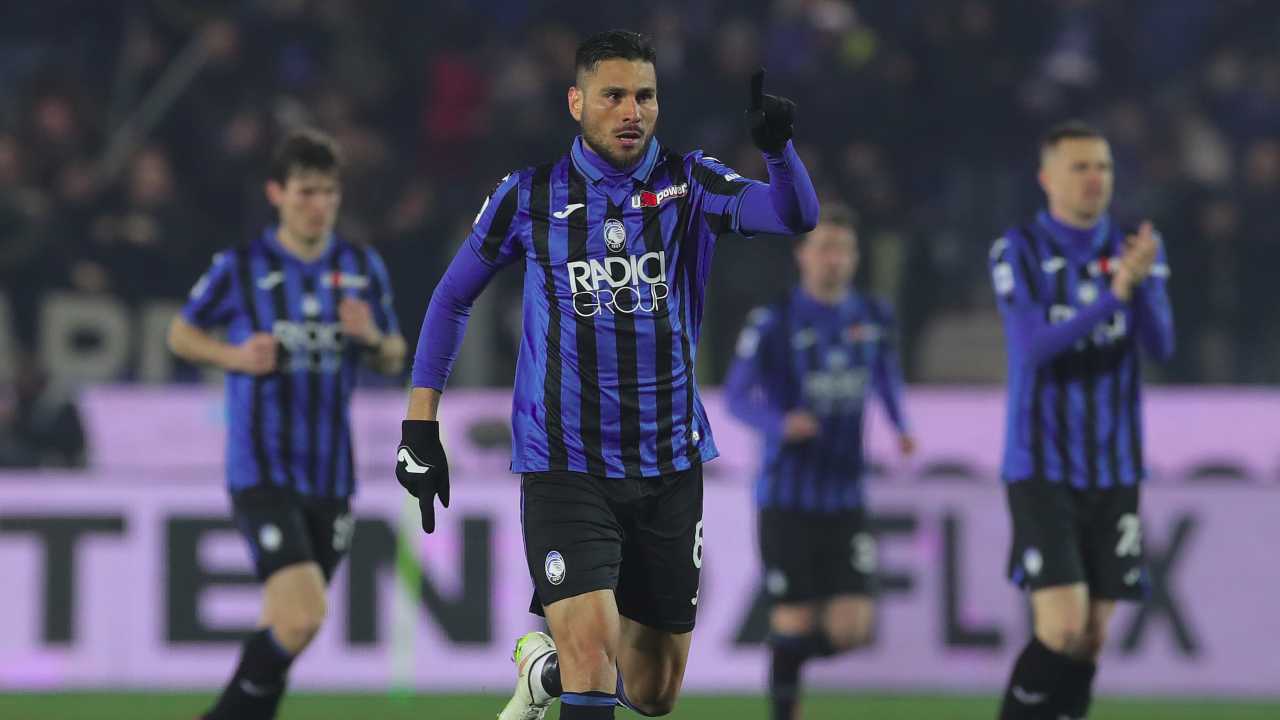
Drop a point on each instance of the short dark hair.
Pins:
(1069, 130)
(611, 44)
(304, 149)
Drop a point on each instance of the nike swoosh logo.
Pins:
(411, 463)
(567, 211)
(1028, 698)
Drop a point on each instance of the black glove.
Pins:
(422, 468)
(770, 117)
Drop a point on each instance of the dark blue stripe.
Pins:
(282, 380)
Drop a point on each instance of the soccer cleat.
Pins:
(523, 704)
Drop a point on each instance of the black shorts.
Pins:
(283, 529)
(1063, 536)
(810, 556)
(640, 537)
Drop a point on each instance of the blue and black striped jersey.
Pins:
(614, 273)
(1074, 388)
(290, 428)
(801, 354)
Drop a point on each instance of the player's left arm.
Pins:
(788, 205)
(750, 388)
(1152, 310)
(886, 379)
(371, 321)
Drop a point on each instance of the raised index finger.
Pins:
(757, 90)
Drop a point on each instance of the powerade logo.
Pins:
(629, 284)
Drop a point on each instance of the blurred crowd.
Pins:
(134, 134)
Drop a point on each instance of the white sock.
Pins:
(540, 694)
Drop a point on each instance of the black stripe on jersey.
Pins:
(364, 267)
(552, 383)
(245, 266)
(812, 451)
(283, 376)
(1115, 366)
(214, 297)
(1135, 414)
(628, 356)
(1088, 384)
(1062, 371)
(688, 267)
(663, 341)
(1037, 384)
(336, 408)
(500, 225)
(714, 182)
(313, 402)
(585, 337)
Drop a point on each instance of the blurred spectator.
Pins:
(39, 423)
(921, 114)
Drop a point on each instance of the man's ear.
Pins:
(575, 103)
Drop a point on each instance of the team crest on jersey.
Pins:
(651, 199)
(310, 305)
(615, 234)
(1088, 292)
(554, 567)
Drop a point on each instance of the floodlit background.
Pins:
(133, 142)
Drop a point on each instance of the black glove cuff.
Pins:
(419, 432)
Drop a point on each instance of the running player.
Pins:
(616, 239)
(301, 308)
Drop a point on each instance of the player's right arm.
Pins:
(746, 393)
(493, 243)
(755, 386)
(210, 304)
(1030, 336)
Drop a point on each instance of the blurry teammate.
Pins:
(1079, 297)
(615, 239)
(301, 308)
(803, 369)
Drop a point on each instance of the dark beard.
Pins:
(611, 157)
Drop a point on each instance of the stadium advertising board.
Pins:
(131, 576)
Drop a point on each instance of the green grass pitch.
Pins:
(175, 706)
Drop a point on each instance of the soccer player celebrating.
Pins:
(616, 239)
(301, 308)
(802, 372)
(1079, 296)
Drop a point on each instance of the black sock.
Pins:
(789, 655)
(1075, 692)
(255, 689)
(1035, 679)
(587, 706)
